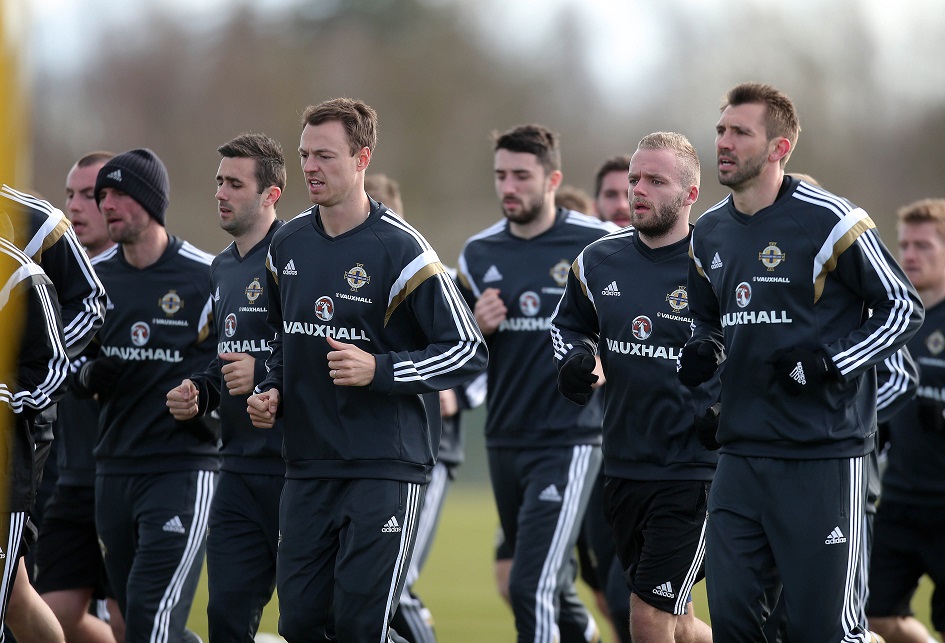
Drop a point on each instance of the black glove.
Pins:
(100, 374)
(576, 377)
(706, 425)
(798, 370)
(697, 363)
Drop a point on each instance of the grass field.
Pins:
(457, 582)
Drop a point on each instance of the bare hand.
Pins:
(490, 311)
(449, 406)
(262, 408)
(599, 372)
(348, 365)
(239, 373)
(182, 401)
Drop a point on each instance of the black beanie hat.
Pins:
(140, 174)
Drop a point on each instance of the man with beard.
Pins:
(612, 192)
(783, 280)
(244, 517)
(657, 475)
(154, 475)
(544, 452)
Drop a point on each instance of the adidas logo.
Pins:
(611, 290)
(836, 537)
(115, 175)
(492, 274)
(716, 262)
(290, 268)
(665, 590)
(797, 374)
(550, 494)
(391, 527)
(174, 526)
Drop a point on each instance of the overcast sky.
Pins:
(628, 35)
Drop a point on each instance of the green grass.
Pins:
(457, 583)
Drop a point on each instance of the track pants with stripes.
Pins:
(796, 525)
(153, 531)
(343, 558)
(413, 620)
(541, 496)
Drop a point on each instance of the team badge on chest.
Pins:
(678, 299)
(357, 276)
(171, 302)
(772, 256)
(254, 290)
(559, 272)
(935, 342)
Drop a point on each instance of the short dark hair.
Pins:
(619, 163)
(267, 152)
(358, 118)
(531, 139)
(780, 114)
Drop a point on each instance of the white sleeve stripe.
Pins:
(93, 304)
(25, 271)
(36, 243)
(896, 385)
(422, 260)
(897, 322)
(842, 227)
(192, 252)
(406, 227)
(205, 314)
(463, 269)
(57, 366)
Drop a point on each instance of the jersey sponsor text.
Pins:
(643, 350)
(143, 354)
(243, 346)
(323, 330)
(525, 324)
(756, 317)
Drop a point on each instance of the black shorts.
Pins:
(907, 543)
(67, 551)
(659, 530)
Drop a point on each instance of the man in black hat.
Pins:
(155, 475)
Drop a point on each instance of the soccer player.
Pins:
(154, 475)
(611, 191)
(35, 374)
(244, 516)
(911, 518)
(544, 452)
(70, 571)
(625, 301)
(367, 320)
(413, 620)
(783, 278)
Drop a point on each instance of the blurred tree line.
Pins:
(441, 82)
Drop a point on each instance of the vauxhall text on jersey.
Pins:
(240, 307)
(159, 320)
(531, 275)
(625, 300)
(382, 288)
(811, 266)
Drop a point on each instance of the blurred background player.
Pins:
(413, 620)
(544, 452)
(611, 190)
(70, 571)
(910, 520)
